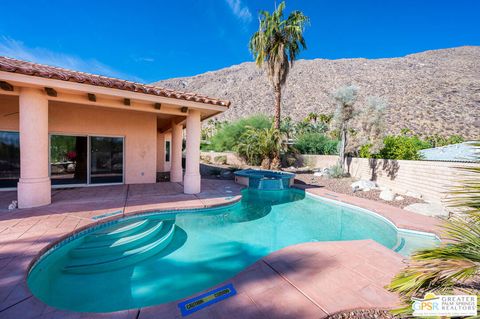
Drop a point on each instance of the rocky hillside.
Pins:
(430, 92)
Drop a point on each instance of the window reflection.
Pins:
(106, 160)
(68, 159)
(9, 159)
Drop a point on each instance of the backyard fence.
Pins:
(430, 180)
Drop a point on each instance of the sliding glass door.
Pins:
(9, 159)
(80, 160)
(68, 159)
(106, 160)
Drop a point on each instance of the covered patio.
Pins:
(63, 128)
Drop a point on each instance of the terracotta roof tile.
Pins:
(51, 72)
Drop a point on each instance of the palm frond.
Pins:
(455, 265)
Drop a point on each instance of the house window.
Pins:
(167, 151)
(80, 160)
(9, 159)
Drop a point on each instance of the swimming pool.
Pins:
(264, 179)
(161, 257)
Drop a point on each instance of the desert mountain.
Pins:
(430, 92)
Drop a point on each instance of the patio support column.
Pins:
(176, 171)
(191, 184)
(34, 188)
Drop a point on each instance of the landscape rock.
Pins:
(428, 209)
(387, 195)
(322, 172)
(399, 198)
(363, 185)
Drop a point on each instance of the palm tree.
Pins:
(275, 46)
(312, 117)
(454, 266)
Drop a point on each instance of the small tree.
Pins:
(371, 127)
(345, 98)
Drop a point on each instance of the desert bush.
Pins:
(316, 143)
(221, 159)
(206, 158)
(438, 140)
(227, 136)
(336, 171)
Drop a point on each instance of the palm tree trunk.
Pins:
(278, 101)
(275, 163)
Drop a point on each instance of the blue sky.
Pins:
(151, 40)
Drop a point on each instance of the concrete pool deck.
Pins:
(310, 280)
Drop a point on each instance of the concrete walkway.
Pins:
(310, 280)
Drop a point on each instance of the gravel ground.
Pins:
(342, 185)
(363, 314)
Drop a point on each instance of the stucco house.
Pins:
(63, 128)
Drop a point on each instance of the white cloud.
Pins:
(18, 50)
(143, 59)
(240, 10)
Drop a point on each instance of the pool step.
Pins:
(121, 229)
(99, 247)
(114, 260)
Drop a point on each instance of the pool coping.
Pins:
(340, 199)
(98, 224)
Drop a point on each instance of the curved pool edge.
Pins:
(271, 283)
(233, 201)
(376, 214)
(96, 224)
(399, 218)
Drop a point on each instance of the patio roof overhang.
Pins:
(61, 85)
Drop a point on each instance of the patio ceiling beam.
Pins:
(184, 109)
(101, 101)
(157, 106)
(127, 102)
(81, 88)
(51, 91)
(6, 86)
(92, 97)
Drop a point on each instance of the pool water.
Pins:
(157, 258)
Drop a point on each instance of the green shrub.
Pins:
(400, 147)
(316, 143)
(227, 137)
(221, 159)
(438, 140)
(259, 146)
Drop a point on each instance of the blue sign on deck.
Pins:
(192, 305)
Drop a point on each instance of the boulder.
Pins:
(321, 172)
(428, 209)
(399, 198)
(363, 185)
(387, 195)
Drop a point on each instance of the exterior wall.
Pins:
(138, 128)
(9, 115)
(431, 180)
(232, 158)
(319, 160)
(162, 165)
